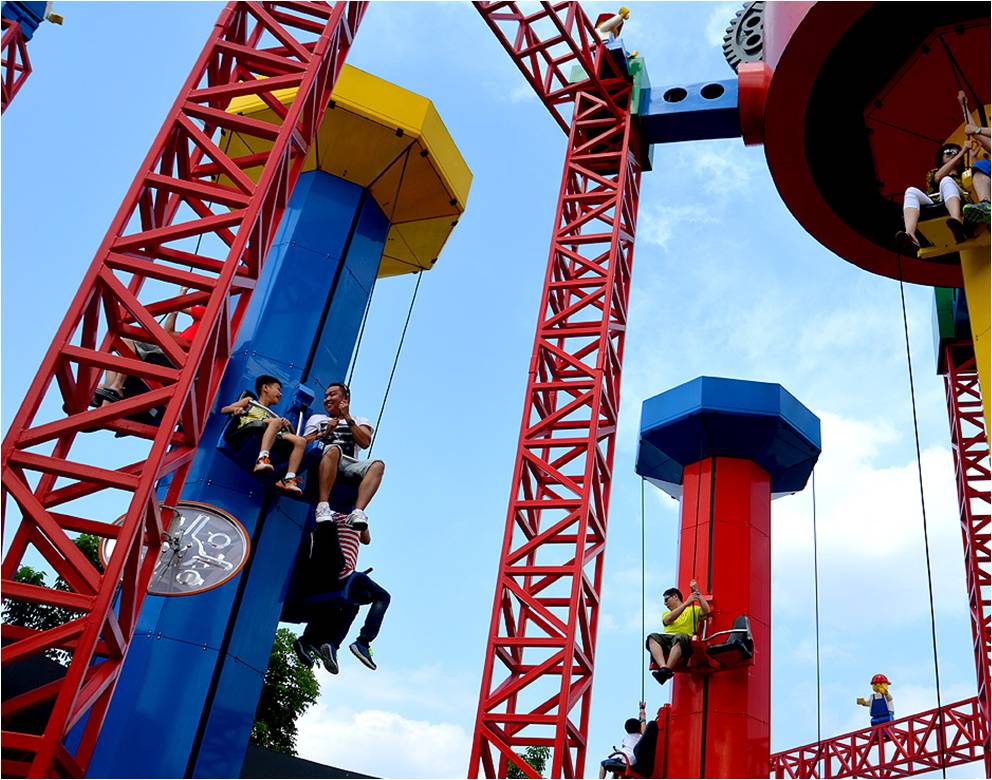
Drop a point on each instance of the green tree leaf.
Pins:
(288, 691)
(536, 755)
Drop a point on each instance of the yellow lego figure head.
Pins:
(880, 684)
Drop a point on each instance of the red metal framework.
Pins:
(912, 745)
(547, 45)
(190, 206)
(546, 608)
(904, 747)
(970, 445)
(15, 65)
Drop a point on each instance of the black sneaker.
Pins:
(663, 675)
(329, 654)
(906, 244)
(957, 229)
(363, 653)
(304, 652)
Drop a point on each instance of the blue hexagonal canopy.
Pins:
(729, 418)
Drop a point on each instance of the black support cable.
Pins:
(923, 508)
(816, 612)
(640, 644)
(396, 360)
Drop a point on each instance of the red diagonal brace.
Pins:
(144, 240)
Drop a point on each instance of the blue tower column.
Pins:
(186, 699)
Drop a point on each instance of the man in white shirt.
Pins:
(342, 436)
(633, 728)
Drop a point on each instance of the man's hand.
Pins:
(243, 404)
(693, 586)
(641, 705)
(343, 409)
(286, 422)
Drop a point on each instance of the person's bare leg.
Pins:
(910, 219)
(328, 471)
(296, 456)
(656, 652)
(953, 206)
(369, 484)
(114, 380)
(272, 427)
(602, 773)
(675, 657)
(981, 184)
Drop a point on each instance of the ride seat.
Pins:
(936, 238)
(238, 443)
(738, 647)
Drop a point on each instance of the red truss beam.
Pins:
(970, 445)
(15, 64)
(175, 216)
(546, 45)
(908, 746)
(542, 641)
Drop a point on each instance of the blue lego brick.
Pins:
(28, 15)
(715, 417)
(306, 311)
(690, 112)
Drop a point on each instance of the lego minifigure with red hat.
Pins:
(880, 701)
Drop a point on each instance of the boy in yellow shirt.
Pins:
(672, 648)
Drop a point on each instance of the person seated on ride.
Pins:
(673, 647)
(944, 185)
(340, 436)
(981, 176)
(633, 727)
(334, 604)
(112, 388)
(256, 418)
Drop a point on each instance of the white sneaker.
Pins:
(357, 520)
(324, 513)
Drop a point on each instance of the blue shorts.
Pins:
(981, 165)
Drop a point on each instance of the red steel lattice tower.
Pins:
(970, 445)
(15, 67)
(542, 642)
(191, 206)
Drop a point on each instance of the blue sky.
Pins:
(725, 283)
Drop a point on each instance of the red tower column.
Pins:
(720, 722)
(725, 448)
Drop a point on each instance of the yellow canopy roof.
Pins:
(392, 142)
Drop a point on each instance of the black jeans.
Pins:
(333, 618)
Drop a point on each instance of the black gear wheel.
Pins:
(745, 37)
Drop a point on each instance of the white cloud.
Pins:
(870, 537)
(720, 18)
(656, 225)
(383, 744)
